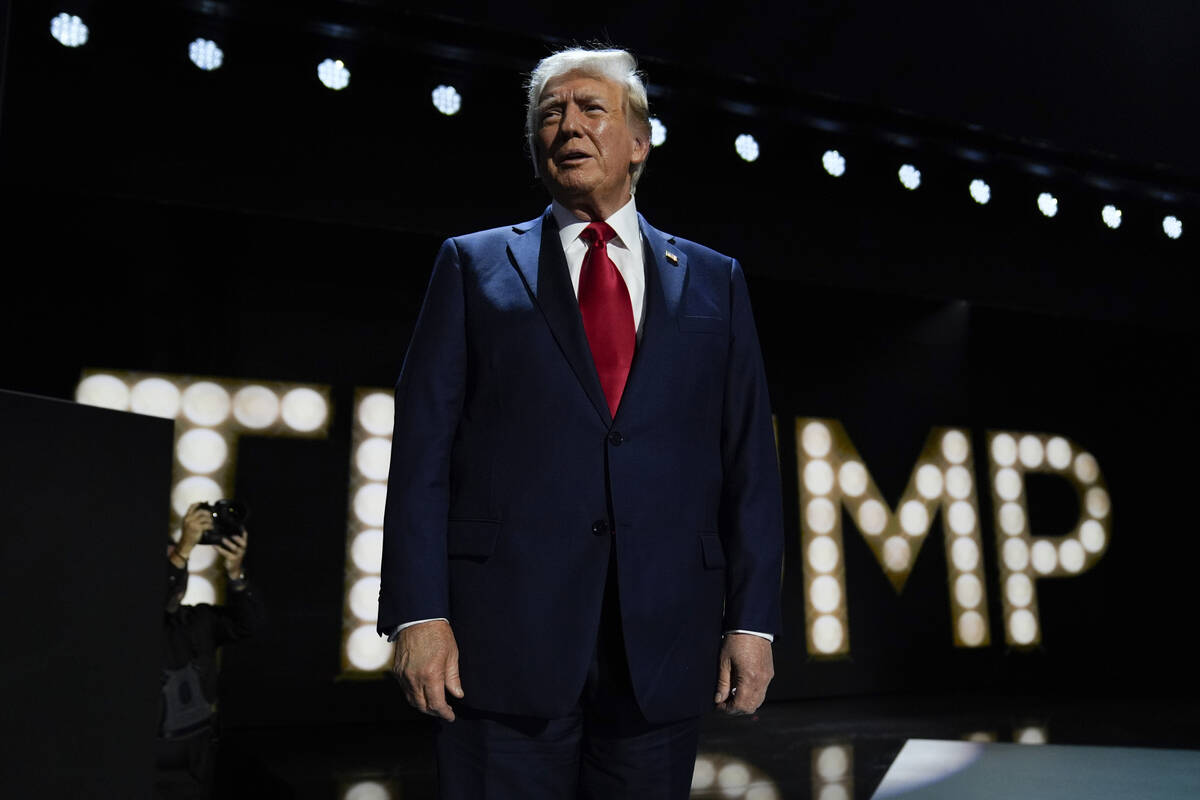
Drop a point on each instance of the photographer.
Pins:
(192, 635)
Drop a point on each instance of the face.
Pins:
(585, 143)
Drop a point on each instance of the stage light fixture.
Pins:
(206, 403)
(371, 442)
(1034, 734)
(828, 634)
(367, 790)
(103, 391)
(1019, 590)
(1048, 204)
(1091, 536)
(1012, 518)
(823, 554)
(155, 397)
(981, 192)
(968, 590)
(1015, 555)
(825, 594)
(1031, 452)
(367, 550)
(852, 477)
(1111, 216)
(658, 132)
(929, 481)
(747, 147)
(964, 554)
(816, 439)
(364, 598)
(303, 409)
(819, 514)
(256, 407)
(1071, 555)
(955, 447)
(369, 503)
(914, 519)
(1087, 469)
(447, 100)
(1172, 227)
(972, 629)
(1023, 627)
(1004, 450)
(818, 476)
(373, 458)
(201, 450)
(872, 517)
(366, 650)
(69, 30)
(1058, 453)
(194, 489)
(834, 163)
(958, 482)
(897, 555)
(205, 54)
(961, 517)
(333, 74)
(910, 176)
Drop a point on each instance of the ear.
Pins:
(534, 156)
(641, 145)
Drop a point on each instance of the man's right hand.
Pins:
(426, 664)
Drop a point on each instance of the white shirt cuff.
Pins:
(770, 637)
(396, 630)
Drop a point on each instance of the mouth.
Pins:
(572, 158)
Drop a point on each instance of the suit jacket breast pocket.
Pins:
(697, 324)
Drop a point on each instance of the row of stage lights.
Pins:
(207, 55)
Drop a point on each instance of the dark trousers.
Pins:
(604, 750)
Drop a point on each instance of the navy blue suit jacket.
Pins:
(507, 471)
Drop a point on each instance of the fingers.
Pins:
(751, 667)
(426, 665)
(723, 681)
(453, 681)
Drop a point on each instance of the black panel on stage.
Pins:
(82, 585)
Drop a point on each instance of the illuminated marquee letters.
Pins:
(1023, 558)
(211, 414)
(832, 474)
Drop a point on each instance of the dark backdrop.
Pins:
(250, 223)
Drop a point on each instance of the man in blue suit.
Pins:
(583, 538)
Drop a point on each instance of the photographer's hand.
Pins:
(195, 522)
(233, 550)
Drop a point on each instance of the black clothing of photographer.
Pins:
(192, 636)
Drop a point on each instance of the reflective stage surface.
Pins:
(829, 749)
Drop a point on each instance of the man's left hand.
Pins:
(233, 550)
(746, 667)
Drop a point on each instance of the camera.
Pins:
(228, 518)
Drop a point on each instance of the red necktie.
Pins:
(607, 313)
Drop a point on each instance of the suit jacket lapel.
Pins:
(536, 252)
(665, 280)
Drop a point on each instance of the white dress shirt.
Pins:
(625, 250)
(628, 254)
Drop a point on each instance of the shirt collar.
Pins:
(624, 221)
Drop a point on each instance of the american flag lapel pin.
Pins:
(674, 259)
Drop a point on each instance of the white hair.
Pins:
(618, 66)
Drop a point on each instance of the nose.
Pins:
(572, 120)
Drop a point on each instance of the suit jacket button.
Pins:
(600, 527)
(616, 438)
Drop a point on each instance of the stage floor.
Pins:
(829, 749)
